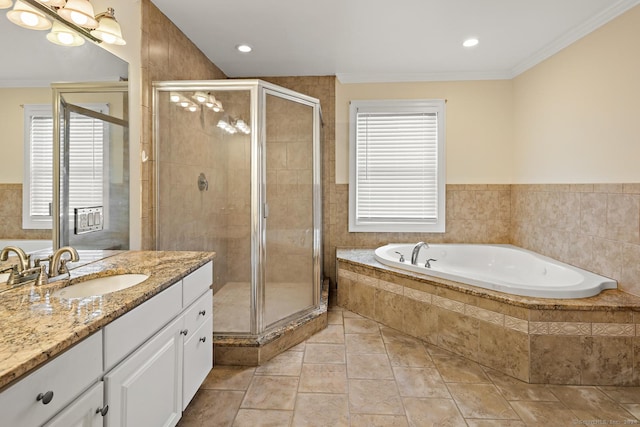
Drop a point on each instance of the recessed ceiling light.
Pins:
(470, 42)
(244, 48)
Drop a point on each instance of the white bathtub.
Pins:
(503, 268)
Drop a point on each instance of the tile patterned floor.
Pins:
(359, 373)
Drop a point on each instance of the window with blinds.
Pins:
(87, 157)
(396, 181)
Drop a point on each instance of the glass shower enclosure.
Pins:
(238, 173)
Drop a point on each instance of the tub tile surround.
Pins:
(588, 341)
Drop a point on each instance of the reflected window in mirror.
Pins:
(88, 152)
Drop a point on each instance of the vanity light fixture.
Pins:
(53, 3)
(28, 17)
(76, 15)
(174, 97)
(108, 30)
(80, 12)
(192, 107)
(64, 36)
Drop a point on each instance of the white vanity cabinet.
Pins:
(85, 411)
(146, 389)
(140, 370)
(198, 349)
(152, 386)
(43, 393)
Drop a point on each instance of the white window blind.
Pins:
(86, 164)
(397, 179)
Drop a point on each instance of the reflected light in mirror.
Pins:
(25, 16)
(64, 36)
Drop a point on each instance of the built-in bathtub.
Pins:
(504, 268)
(581, 341)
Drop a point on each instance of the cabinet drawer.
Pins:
(196, 283)
(196, 314)
(84, 411)
(66, 376)
(198, 360)
(125, 334)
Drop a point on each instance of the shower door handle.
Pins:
(265, 210)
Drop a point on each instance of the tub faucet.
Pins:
(57, 265)
(416, 251)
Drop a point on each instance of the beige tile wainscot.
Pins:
(584, 341)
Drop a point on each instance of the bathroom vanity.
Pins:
(135, 357)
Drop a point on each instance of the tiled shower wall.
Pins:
(167, 54)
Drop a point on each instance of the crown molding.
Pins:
(347, 78)
(613, 11)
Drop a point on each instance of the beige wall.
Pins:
(12, 101)
(479, 125)
(577, 115)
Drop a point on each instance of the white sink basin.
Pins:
(100, 286)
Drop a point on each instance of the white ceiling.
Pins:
(382, 40)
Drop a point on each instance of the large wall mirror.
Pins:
(30, 66)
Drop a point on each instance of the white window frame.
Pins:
(428, 106)
(45, 222)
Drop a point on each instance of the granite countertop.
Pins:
(37, 326)
(608, 300)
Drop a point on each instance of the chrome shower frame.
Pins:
(258, 93)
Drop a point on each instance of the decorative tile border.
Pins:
(500, 319)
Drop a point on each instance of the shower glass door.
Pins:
(289, 224)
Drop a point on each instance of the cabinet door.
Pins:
(198, 359)
(85, 411)
(146, 388)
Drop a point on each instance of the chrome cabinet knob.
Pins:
(203, 339)
(202, 312)
(184, 332)
(103, 411)
(45, 398)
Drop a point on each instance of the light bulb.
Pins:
(174, 97)
(29, 19)
(79, 18)
(65, 38)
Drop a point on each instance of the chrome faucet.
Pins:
(58, 265)
(416, 251)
